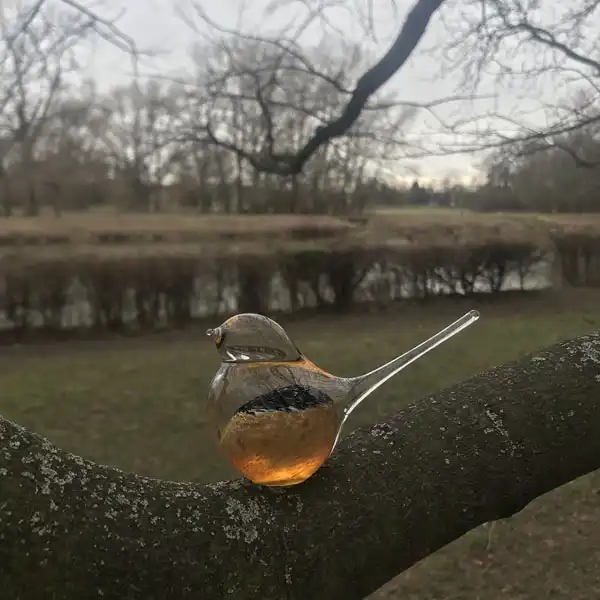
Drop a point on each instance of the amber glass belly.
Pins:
(280, 447)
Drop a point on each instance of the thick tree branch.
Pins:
(409, 36)
(413, 29)
(393, 494)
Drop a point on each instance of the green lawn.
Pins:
(137, 404)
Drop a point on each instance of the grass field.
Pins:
(137, 405)
(101, 229)
(110, 228)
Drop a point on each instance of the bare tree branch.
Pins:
(107, 29)
(516, 43)
(292, 163)
(393, 494)
(104, 27)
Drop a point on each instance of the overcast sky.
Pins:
(156, 25)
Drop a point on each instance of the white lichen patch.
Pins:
(384, 431)
(245, 518)
(590, 352)
(225, 487)
(499, 427)
(288, 575)
(582, 352)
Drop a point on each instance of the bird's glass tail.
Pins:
(364, 385)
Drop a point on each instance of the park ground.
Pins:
(137, 404)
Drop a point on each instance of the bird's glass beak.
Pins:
(216, 335)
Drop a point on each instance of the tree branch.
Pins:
(409, 36)
(107, 29)
(104, 27)
(393, 494)
(413, 29)
(545, 145)
(520, 45)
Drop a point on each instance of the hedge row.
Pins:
(123, 286)
(121, 290)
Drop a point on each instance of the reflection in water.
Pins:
(378, 284)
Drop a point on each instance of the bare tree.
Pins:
(208, 176)
(546, 54)
(36, 58)
(137, 137)
(548, 181)
(71, 159)
(259, 96)
(268, 157)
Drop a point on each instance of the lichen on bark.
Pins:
(392, 494)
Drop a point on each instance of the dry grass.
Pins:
(101, 228)
(98, 235)
(435, 216)
(463, 228)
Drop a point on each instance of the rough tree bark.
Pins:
(393, 494)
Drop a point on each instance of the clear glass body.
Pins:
(278, 416)
(276, 422)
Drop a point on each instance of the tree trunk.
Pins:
(391, 495)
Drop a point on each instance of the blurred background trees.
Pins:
(216, 141)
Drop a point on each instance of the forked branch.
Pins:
(372, 80)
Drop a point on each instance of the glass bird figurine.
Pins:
(277, 415)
